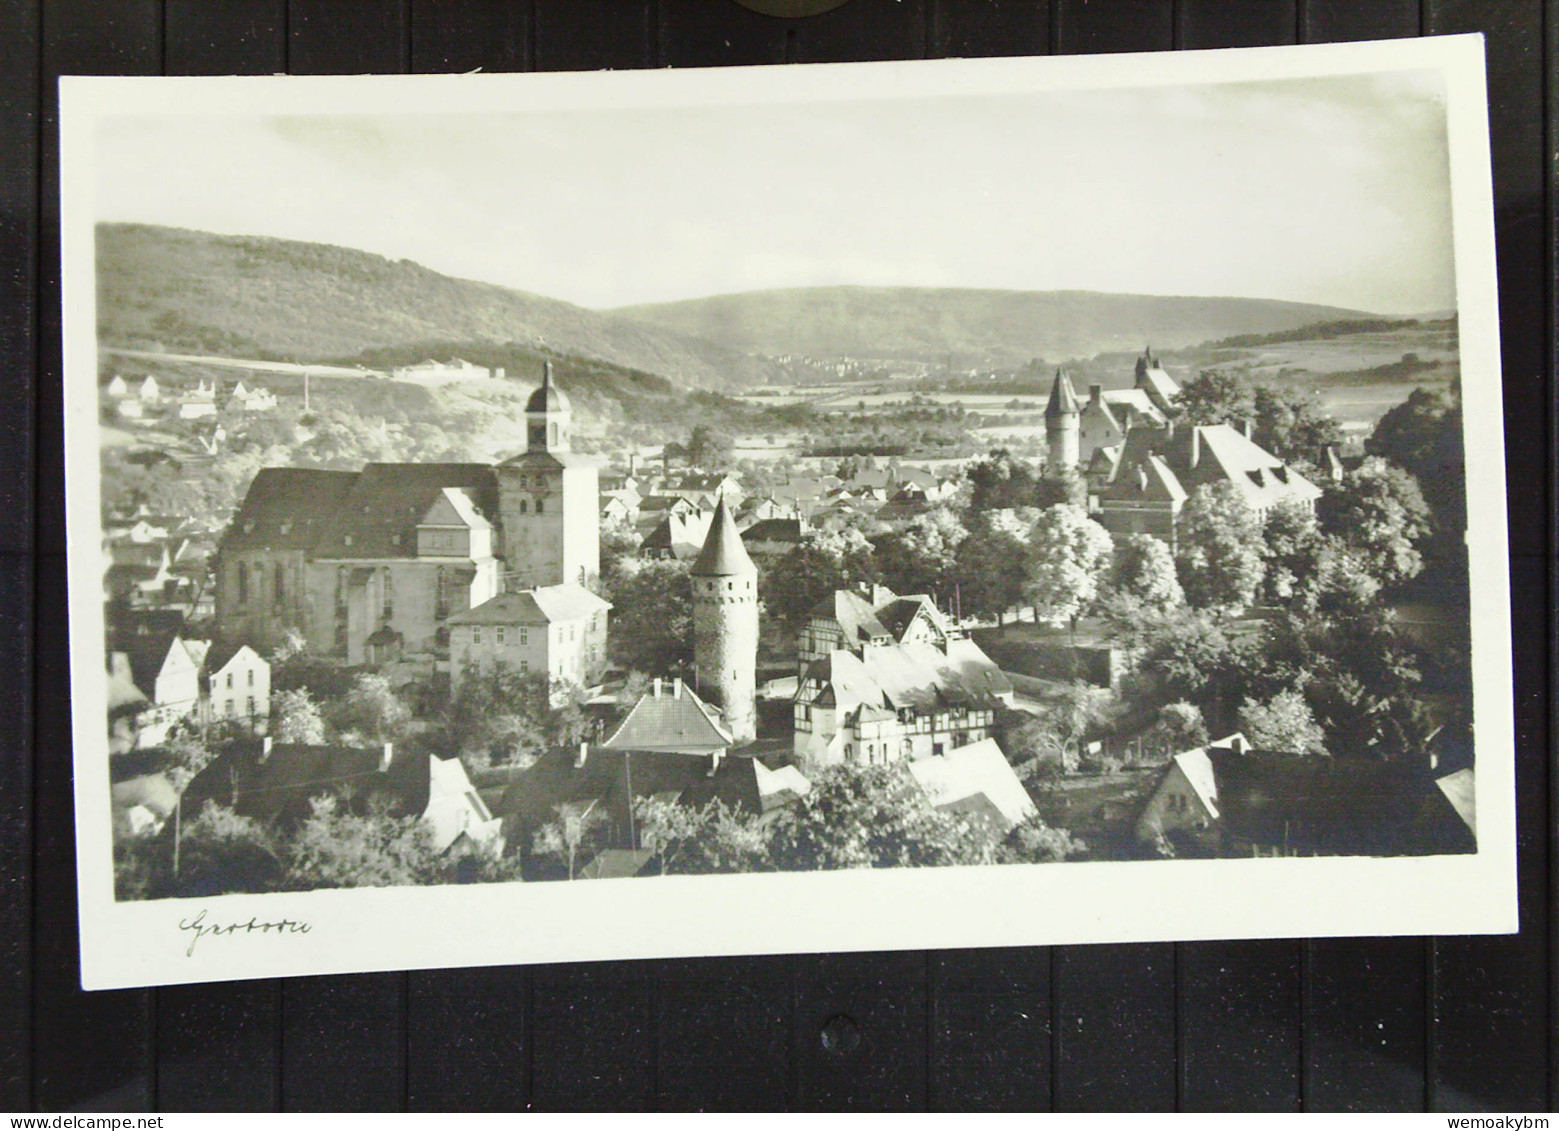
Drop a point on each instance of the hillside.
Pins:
(976, 327)
(246, 296)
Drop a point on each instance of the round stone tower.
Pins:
(1062, 420)
(725, 626)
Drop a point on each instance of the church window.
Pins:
(441, 594)
(243, 584)
(279, 590)
(386, 593)
(541, 505)
(524, 506)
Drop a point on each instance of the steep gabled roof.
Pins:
(288, 508)
(529, 607)
(854, 614)
(671, 719)
(723, 554)
(896, 615)
(378, 518)
(453, 507)
(976, 779)
(894, 676)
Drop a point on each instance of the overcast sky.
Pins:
(1331, 190)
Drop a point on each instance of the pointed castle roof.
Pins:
(723, 554)
(1063, 399)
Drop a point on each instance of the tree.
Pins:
(988, 571)
(1178, 727)
(1283, 723)
(668, 828)
(1034, 842)
(1292, 424)
(1215, 396)
(335, 847)
(1144, 571)
(1294, 551)
(295, 717)
(1069, 554)
(1000, 482)
(371, 711)
(825, 561)
(922, 557)
(1219, 549)
(709, 447)
(221, 851)
(501, 715)
(574, 830)
(652, 615)
(731, 840)
(859, 816)
(1379, 511)
(1423, 436)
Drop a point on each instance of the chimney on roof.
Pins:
(265, 748)
(584, 752)
(386, 756)
(1095, 394)
(657, 687)
(1237, 744)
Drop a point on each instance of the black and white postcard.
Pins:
(560, 517)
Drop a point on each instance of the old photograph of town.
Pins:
(613, 493)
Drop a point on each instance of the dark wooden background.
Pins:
(1357, 1024)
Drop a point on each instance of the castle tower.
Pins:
(1062, 418)
(549, 500)
(725, 625)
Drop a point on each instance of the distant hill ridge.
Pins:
(996, 327)
(252, 296)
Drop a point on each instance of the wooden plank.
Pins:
(343, 1043)
(723, 1034)
(466, 1040)
(966, 29)
(1240, 1028)
(1255, 23)
(217, 1043)
(861, 1032)
(990, 1030)
(1343, 21)
(593, 1034)
(217, 1046)
(587, 35)
(20, 110)
(861, 30)
(90, 1050)
(1082, 28)
(225, 37)
(1490, 994)
(1365, 1008)
(347, 37)
(718, 33)
(456, 36)
(1115, 1028)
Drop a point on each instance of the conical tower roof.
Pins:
(723, 554)
(1062, 398)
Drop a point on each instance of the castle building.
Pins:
(549, 500)
(885, 678)
(1143, 490)
(1062, 425)
(725, 625)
